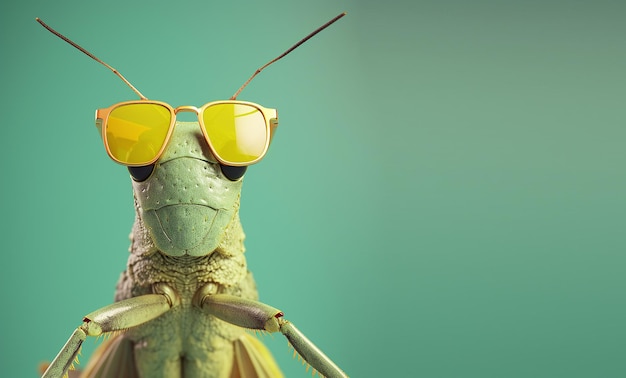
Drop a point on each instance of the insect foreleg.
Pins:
(256, 315)
(118, 316)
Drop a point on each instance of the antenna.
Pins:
(258, 71)
(91, 56)
(74, 44)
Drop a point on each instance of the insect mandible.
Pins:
(186, 299)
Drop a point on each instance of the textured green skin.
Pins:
(187, 203)
(185, 300)
(187, 233)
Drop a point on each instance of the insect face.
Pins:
(187, 203)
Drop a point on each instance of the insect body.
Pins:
(184, 303)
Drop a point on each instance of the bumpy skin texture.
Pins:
(187, 203)
(187, 234)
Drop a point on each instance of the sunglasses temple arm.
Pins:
(91, 56)
(258, 71)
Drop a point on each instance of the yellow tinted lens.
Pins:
(135, 133)
(237, 132)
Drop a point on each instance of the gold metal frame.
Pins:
(270, 116)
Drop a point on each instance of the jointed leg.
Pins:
(256, 315)
(115, 317)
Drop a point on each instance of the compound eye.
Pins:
(142, 173)
(233, 173)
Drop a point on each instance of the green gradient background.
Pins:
(445, 197)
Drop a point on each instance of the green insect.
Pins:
(184, 303)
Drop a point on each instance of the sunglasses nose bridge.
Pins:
(187, 108)
(193, 109)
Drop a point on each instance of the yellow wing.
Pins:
(253, 360)
(114, 358)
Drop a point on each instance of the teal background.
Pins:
(445, 196)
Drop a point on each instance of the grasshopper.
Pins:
(186, 300)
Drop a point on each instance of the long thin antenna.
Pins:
(91, 56)
(234, 97)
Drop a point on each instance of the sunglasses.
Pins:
(136, 133)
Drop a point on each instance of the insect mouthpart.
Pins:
(186, 203)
